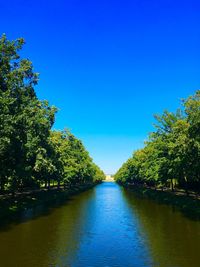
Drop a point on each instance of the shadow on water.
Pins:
(189, 206)
(32, 213)
(32, 206)
(47, 236)
(173, 238)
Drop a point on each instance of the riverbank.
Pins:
(11, 208)
(189, 205)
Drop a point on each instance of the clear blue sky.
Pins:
(109, 65)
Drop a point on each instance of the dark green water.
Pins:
(104, 227)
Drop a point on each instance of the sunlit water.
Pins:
(106, 226)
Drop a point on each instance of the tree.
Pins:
(25, 121)
(172, 153)
(30, 153)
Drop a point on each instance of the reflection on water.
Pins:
(106, 226)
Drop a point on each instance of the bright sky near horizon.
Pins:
(109, 65)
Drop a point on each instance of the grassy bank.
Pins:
(189, 205)
(11, 208)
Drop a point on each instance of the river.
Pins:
(106, 226)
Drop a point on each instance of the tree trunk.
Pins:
(2, 186)
(186, 185)
(172, 186)
(48, 183)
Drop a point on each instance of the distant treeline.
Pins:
(31, 154)
(171, 156)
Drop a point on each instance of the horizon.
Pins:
(109, 67)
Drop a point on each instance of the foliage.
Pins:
(171, 156)
(31, 154)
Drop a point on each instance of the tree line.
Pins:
(32, 155)
(171, 155)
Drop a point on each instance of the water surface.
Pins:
(106, 226)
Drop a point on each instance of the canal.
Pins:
(106, 226)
